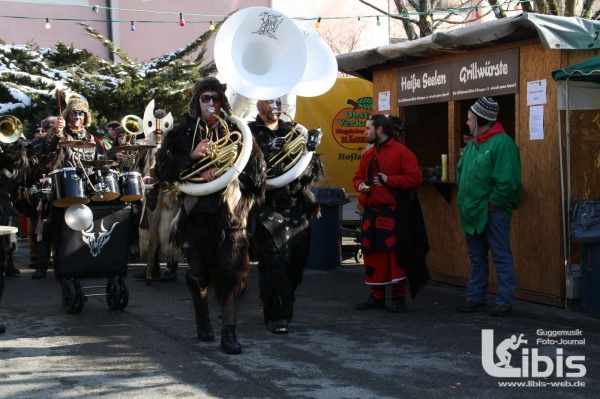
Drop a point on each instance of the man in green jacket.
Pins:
(489, 184)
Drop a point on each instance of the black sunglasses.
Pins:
(77, 113)
(206, 98)
(39, 130)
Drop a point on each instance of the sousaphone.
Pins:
(260, 53)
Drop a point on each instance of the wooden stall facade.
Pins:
(536, 230)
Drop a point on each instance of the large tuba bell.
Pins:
(10, 129)
(261, 53)
(133, 126)
(321, 67)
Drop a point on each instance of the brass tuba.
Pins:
(229, 154)
(296, 154)
(10, 129)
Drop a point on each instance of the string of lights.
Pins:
(429, 15)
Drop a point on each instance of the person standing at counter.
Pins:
(489, 184)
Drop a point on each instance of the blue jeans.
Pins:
(496, 237)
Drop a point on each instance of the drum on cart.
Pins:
(68, 187)
(105, 185)
(131, 187)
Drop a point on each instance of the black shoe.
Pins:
(2, 329)
(38, 274)
(32, 264)
(229, 342)
(371, 303)
(501, 310)
(471, 306)
(280, 326)
(205, 330)
(142, 275)
(12, 271)
(168, 275)
(396, 306)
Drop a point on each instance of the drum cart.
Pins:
(99, 251)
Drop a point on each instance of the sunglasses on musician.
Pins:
(39, 130)
(77, 113)
(206, 98)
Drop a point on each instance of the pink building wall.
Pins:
(150, 40)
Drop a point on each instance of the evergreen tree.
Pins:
(29, 77)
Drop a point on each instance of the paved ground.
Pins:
(149, 350)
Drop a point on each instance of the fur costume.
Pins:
(158, 211)
(13, 158)
(282, 239)
(216, 223)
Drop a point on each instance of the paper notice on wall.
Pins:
(384, 101)
(536, 92)
(536, 122)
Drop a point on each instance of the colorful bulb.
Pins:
(47, 25)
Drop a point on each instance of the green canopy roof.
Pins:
(588, 71)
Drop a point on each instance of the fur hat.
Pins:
(77, 103)
(486, 110)
(48, 123)
(204, 85)
(113, 124)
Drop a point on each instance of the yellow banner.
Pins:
(342, 114)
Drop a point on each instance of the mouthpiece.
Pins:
(211, 110)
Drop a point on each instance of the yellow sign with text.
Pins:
(342, 114)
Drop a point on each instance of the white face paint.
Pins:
(77, 118)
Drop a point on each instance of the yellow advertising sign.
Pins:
(342, 114)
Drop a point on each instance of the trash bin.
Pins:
(326, 231)
(585, 230)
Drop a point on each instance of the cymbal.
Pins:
(140, 147)
(4, 230)
(99, 163)
(77, 144)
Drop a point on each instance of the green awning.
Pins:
(588, 71)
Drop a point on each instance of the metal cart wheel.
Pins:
(124, 293)
(113, 293)
(358, 256)
(79, 297)
(69, 297)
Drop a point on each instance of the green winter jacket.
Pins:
(488, 175)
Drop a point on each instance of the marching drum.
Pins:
(68, 187)
(105, 185)
(131, 186)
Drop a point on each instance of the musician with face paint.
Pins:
(281, 241)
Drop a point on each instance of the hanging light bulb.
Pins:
(497, 10)
(318, 23)
(132, 27)
(95, 9)
(477, 14)
(181, 20)
(378, 21)
(47, 25)
(359, 18)
(428, 18)
(517, 6)
(212, 27)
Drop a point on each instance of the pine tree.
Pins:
(29, 77)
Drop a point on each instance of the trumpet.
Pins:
(10, 129)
